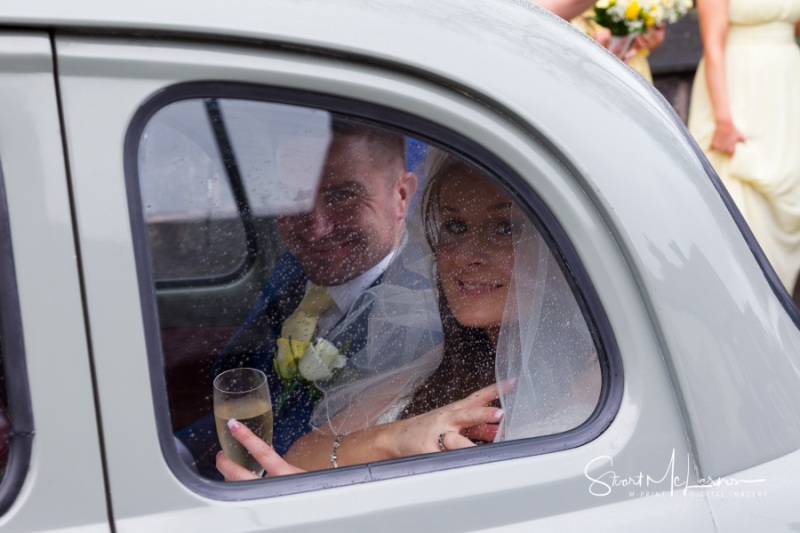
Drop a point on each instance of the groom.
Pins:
(343, 244)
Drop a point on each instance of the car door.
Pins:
(54, 476)
(111, 87)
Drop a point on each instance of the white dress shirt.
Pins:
(346, 294)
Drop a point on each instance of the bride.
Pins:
(507, 332)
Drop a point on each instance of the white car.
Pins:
(132, 253)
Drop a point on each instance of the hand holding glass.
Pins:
(243, 394)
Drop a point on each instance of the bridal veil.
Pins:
(544, 344)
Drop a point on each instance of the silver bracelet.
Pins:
(336, 442)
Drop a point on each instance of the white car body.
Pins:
(706, 434)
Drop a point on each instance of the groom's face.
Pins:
(358, 216)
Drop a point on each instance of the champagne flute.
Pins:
(243, 394)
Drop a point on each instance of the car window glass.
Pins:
(188, 204)
(378, 277)
(16, 417)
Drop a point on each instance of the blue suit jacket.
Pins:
(254, 346)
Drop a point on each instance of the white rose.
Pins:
(320, 360)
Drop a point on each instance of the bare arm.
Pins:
(566, 9)
(469, 417)
(447, 428)
(713, 15)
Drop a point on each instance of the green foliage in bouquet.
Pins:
(626, 17)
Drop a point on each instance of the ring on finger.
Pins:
(441, 442)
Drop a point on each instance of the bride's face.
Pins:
(475, 252)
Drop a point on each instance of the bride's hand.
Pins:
(450, 427)
(260, 450)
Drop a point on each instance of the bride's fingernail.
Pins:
(233, 424)
(498, 414)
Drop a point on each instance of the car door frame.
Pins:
(57, 454)
(645, 429)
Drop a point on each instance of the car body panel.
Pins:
(584, 81)
(760, 498)
(710, 354)
(648, 419)
(66, 444)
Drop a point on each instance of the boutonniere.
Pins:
(299, 362)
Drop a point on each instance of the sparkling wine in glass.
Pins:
(243, 394)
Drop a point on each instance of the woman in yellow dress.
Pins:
(745, 115)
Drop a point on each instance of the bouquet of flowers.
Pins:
(628, 18)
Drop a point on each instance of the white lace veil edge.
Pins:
(544, 344)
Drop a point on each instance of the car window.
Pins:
(16, 425)
(371, 276)
(189, 203)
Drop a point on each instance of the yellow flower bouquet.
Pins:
(628, 18)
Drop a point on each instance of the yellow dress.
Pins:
(762, 62)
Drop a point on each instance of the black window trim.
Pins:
(610, 360)
(19, 409)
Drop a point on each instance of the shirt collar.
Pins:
(346, 294)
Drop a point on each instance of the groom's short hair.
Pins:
(388, 147)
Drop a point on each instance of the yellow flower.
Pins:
(632, 11)
(289, 354)
(649, 20)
